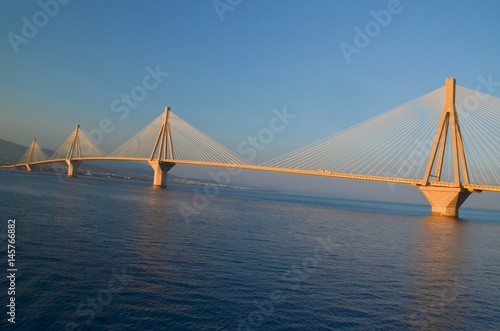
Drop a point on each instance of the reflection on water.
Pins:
(440, 262)
(386, 270)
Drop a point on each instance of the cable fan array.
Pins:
(189, 144)
(396, 144)
(33, 154)
(479, 117)
(77, 145)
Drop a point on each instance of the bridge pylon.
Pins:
(33, 154)
(74, 149)
(30, 154)
(446, 200)
(163, 153)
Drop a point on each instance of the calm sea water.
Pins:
(105, 254)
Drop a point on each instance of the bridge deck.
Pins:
(414, 182)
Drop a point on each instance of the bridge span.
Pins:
(400, 146)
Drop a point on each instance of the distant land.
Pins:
(10, 153)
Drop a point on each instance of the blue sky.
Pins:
(225, 76)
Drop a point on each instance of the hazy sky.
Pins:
(223, 66)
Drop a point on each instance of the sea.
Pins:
(110, 254)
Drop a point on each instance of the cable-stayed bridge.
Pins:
(446, 142)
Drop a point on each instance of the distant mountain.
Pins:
(11, 152)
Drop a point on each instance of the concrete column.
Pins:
(445, 201)
(72, 167)
(161, 169)
(31, 167)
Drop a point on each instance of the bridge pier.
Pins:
(72, 167)
(445, 201)
(161, 169)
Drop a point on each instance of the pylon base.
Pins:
(160, 172)
(445, 201)
(72, 167)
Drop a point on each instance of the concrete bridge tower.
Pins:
(163, 147)
(445, 200)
